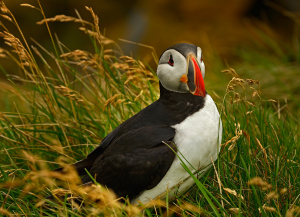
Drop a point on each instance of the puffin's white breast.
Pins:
(198, 139)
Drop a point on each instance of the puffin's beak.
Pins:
(194, 77)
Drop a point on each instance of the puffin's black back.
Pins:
(170, 109)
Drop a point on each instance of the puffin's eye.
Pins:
(171, 61)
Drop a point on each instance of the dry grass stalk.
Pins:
(184, 208)
(101, 200)
(21, 52)
(293, 211)
(111, 101)
(135, 72)
(96, 24)
(231, 72)
(283, 191)
(18, 48)
(264, 152)
(11, 184)
(77, 55)
(156, 203)
(218, 179)
(6, 17)
(235, 82)
(2, 53)
(154, 55)
(251, 81)
(84, 59)
(103, 39)
(72, 94)
(138, 96)
(260, 183)
(234, 210)
(255, 92)
(3, 8)
(135, 64)
(269, 209)
(233, 192)
(5, 212)
(63, 18)
(272, 195)
(233, 140)
(88, 31)
(30, 6)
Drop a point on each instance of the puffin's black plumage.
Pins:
(184, 48)
(134, 157)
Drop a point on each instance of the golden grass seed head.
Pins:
(89, 32)
(272, 195)
(293, 211)
(230, 88)
(231, 72)
(6, 17)
(255, 93)
(11, 183)
(251, 81)
(111, 100)
(269, 209)
(3, 8)
(60, 192)
(29, 5)
(5, 212)
(250, 103)
(60, 18)
(234, 210)
(237, 96)
(233, 192)
(233, 140)
(72, 94)
(260, 183)
(17, 47)
(283, 191)
(77, 55)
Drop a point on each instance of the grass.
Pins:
(65, 102)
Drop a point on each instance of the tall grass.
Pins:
(66, 102)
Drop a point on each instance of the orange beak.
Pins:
(195, 80)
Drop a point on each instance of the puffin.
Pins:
(142, 158)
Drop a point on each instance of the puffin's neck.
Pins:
(182, 103)
(171, 96)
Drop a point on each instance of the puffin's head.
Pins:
(182, 70)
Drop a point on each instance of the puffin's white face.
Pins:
(180, 73)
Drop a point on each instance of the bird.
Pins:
(142, 158)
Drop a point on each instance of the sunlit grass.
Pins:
(66, 102)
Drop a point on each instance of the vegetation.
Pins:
(65, 102)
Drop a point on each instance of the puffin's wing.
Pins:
(135, 161)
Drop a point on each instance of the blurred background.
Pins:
(258, 38)
(160, 23)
